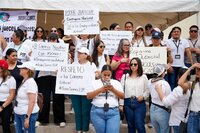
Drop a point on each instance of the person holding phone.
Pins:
(105, 93)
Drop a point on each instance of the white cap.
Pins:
(139, 27)
(159, 69)
(28, 65)
(84, 50)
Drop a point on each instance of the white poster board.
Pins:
(111, 39)
(81, 21)
(11, 20)
(150, 56)
(49, 56)
(74, 79)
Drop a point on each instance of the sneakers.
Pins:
(37, 123)
(62, 124)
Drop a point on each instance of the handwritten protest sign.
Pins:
(48, 56)
(150, 56)
(111, 39)
(11, 20)
(81, 21)
(74, 79)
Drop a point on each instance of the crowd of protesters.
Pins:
(121, 86)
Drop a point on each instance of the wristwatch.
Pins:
(26, 116)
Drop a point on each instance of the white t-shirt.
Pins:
(102, 61)
(177, 51)
(29, 86)
(22, 51)
(195, 102)
(100, 99)
(79, 43)
(154, 95)
(139, 43)
(148, 40)
(178, 103)
(5, 87)
(135, 86)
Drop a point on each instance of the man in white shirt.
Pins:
(23, 51)
(148, 33)
(194, 42)
(179, 47)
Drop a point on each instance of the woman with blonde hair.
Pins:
(139, 38)
(26, 107)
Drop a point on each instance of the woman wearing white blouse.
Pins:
(194, 115)
(178, 100)
(135, 89)
(7, 94)
(158, 112)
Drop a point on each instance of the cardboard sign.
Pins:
(74, 79)
(81, 21)
(150, 56)
(49, 56)
(111, 39)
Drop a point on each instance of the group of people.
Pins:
(120, 85)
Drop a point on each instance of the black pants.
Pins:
(6, 117)
(46, 86)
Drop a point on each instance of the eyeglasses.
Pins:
(195, 31)
(39, 31)
(53, 30)
(102, 46)
(134, 64)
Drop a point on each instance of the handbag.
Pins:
(183, 124)
(40, 101)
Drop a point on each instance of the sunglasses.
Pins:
(195, 31)
(102, 46)
(53, 30)
(39, 31)
(134, 64)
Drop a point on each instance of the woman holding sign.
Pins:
(46, 83)
(80, 103)
(105, 93)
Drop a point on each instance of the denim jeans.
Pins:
(135, 115)
(173, 78)
(159, 119)
(19, 123)
(105, 122)
(175, 128)
(193, 122)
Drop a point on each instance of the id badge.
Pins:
(178, 56)
(106, 107)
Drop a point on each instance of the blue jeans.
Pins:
(173, 78)
(135, 115)
(175, 128)
(105, 122)
(193, 122)
(159, 119)
(19, 123)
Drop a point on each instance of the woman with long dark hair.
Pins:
(39, 34)
(98, 56)
(136, 92)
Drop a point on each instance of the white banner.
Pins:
(11, 20)
(74, 79)
(49, 56)
(111, 39)
(81, 21)
(150, 56)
